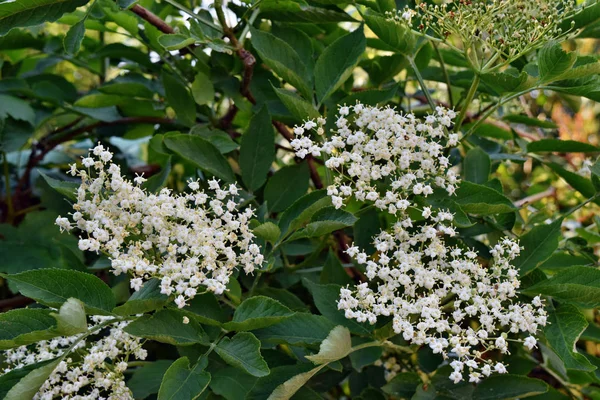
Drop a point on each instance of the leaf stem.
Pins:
(445, 72)
(413, 65)
(10, 210)
(467, 103)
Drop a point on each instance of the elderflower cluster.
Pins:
(431, 290)
(504, 29)
(383, 156)
(390, 364)
(90, 371)
(186, 240)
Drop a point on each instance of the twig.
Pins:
(152, 18)
(535, 197)
(15, 302)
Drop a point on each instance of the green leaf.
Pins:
(283, 60)
(396, 35)
(148, 298)
(297, 106)
(268, 231)
(288, 389)
(207, 310)
(403, 385)
(29, 385)
(366, 356)
(66, 188)
(565, 324)
(336, 346)
(52, 287)
(325, 297)
(562, 146)
(16, 108)
(578, 285)
(180, 99)
(525, 120)
(257, 312)
(71, 318)
(482, 200)
(553, 61)
(175, 41)
(298, 329)
(257, 151)
(145, 381)
(508, 387)
(325, 221)
(200, 153)
(166, 326)
(181, 382)
(477, 166)
(538, 245)
(74, 37)
(302, 210)
(334, 272)
(503, 82)
(337, 61)
(24, 326)
(578, 182)
(221, 140)
(286, 186)
(231, 384)
(300, 12)
(243, 351)
(203, 89)
(33, 12)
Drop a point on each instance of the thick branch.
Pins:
(152, 18)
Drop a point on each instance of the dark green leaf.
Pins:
(286, 186)
(243, 351)
(562, 146)
(268, 231)
(146, 380)
(66, 188)
(148, 298)
(479, 199)
(180, 99)
(175, 41)
(74, 37)
(508, 387)
(396, 35)
(29, 385)
(167, 326)
(477, 166)
(337, 62)
(553, 61)
(579, 285)
(538, 245)
(257, 150)
(53, 287)
(325, 221)
(24, 326)
(300, 328)
(202, 154)
(33, 12)
(334, 272)
(181, 382)
(231, 383)
(302, 210)
(257, 312)
(403, 385)
(297, 106)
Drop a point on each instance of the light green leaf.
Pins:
(302, 210)
(268, 231)
(258, 312)
(477, 166)
(297, 106)
(148, 298)
(337, 61)
(200, 153)
(578, 182)
(71, 318)
(243, 351)
(53, 287)
(257, 151)
(181, 382)
(538, 245)
(283, 60)
(175, 41)
(396, 35)
(565, 324)
(325, 221)
(508, 387)
(24, 326)
(578, 285)
(288, 389)
(202, 89)
(167, 326)
(286, 186)
(553, 61)
(336, 346)
(74, 37)
(33, 12)
(16, 108)
(180, 99)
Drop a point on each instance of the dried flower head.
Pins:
(383, 156)
(185, 240)
(95, 372)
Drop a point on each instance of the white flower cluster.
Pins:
(431, 290)
(185, 240)
(88, 372)
(390, 364)
(383, 156)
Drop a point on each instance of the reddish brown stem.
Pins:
(152, 18)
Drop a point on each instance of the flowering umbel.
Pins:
(91, 370)
(186, 240)
(383, 156)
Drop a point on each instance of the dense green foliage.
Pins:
(181, 91)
